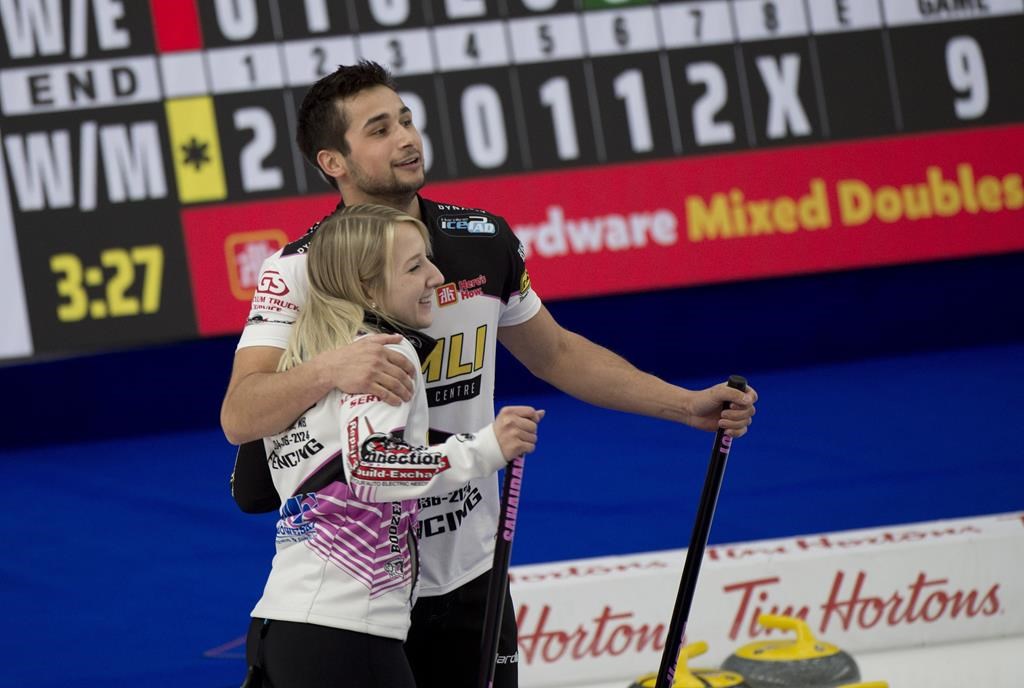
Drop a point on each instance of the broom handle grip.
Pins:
(695, 551)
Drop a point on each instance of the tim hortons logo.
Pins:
(923, 601)
(609, 633)
(854, 605)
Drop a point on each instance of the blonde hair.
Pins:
(349, 263)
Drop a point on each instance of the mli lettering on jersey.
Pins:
(436, 367)
(36, 27)
(42, 168)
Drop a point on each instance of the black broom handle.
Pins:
(498, 585)
(695, 551)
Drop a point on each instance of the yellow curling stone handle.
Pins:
(805, 646)
(686, 678)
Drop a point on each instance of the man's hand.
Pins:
(705, 409)
(260, 401)
(367, 366)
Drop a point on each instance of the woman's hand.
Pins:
(516, 430)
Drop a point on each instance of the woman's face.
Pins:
(413, 279)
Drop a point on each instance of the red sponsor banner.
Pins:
(690, 221)
(702, 220)
(226, 246)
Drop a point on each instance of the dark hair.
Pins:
(322, 124)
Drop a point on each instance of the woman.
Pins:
(350, 470)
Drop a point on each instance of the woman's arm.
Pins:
(382, 464)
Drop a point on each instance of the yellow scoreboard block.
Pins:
(195, 146)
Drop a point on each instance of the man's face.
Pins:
(385, 150)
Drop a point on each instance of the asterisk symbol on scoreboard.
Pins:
(195, 153)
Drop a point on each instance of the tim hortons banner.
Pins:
(598, 620)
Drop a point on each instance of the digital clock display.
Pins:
(130, 279)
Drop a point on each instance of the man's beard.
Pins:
(390, 189)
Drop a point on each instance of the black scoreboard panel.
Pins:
(101, 251)
(255, 132)
(90, 186)
(710, 119)
(506, 87)
(860, 104)
(955, 75)
(481, 104)
(33, 34)
(497, 87)
(310, 20)
(562, 131)
(428, 113)
(232, 23)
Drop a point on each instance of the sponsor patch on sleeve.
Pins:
(467, 225)
(272, 282)
(273, 294)
(387, 460)
(447, 294)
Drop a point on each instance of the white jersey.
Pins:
(350, 472)
(486, 287)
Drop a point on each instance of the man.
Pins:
(356, 130)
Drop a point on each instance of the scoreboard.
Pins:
(147, 164)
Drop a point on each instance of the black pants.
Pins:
(302, 655)
(443, 646)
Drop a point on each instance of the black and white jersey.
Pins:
(486, 287)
